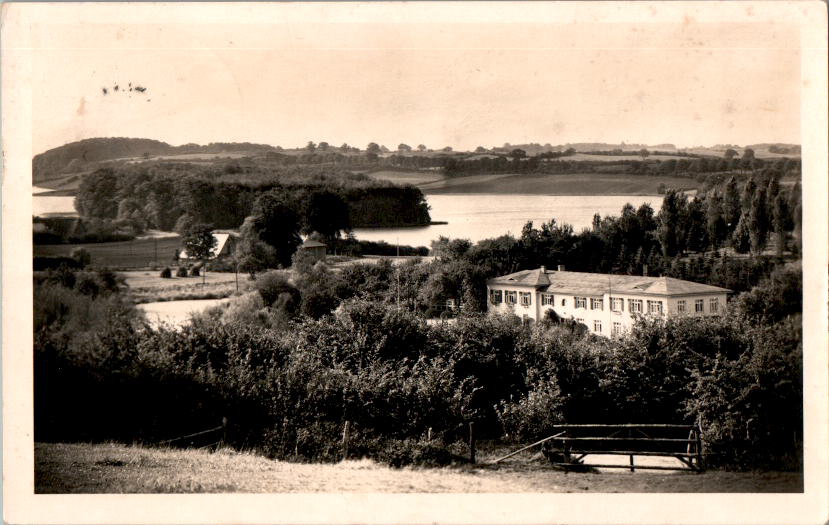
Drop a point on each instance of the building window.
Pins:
(635, 306)
(548, 299)
(617, 329)
(654, 307)
(525, 298)
(597, 326)
(596, 304)
(617, 304)
(496, 297)
(580, 321)
(680, 306)
(581, 302)
(714, 305)
(699, 306)
(511, 297)
(564, 302)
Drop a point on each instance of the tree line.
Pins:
(165, 195)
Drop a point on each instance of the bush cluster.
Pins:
(101, 374)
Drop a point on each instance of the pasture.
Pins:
(115, 468)
(415, 178)
(558, 184)
(138, 253)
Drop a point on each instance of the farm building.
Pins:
(315, 248)
(225, 245)
(606, 304)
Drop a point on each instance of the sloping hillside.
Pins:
(83, 156)
(75, 156)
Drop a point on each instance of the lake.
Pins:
(43, 206)
(476, 217)
(176, 313)
(469, 216)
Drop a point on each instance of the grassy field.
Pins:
(407, 177)
(564, 184)
(127, 254)
(113, 468)
(148, 286)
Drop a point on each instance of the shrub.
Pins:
(273, 287)
(534, 414)
(82, 256)
(414, 452)
(194, 270)
(166, 273)
(181, 272)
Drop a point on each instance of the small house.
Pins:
(225, 245)
(315, 248)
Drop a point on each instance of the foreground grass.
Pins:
(114, 468)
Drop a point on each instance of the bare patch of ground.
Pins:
(113, 468)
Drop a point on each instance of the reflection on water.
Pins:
(477, 217)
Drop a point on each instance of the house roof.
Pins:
(594, 284)
(221, 241)
(312, 244)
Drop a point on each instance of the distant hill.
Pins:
(82, 155)
(73, 157)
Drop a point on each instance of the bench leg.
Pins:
(631, 463)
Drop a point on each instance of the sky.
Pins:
(283, 81)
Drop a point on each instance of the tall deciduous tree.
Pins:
(277, 225)
(326, 213)
(780, 217)
(200, 243)
(715, 220)
(731, 205)
(697, 232)
(669, 218)
(759, 221)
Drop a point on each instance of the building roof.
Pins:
(595, 284)
(312, 244)
(221, 241)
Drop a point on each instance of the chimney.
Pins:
(645, 270)
(543, 269)
(561, 267)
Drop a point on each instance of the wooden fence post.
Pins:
(471, 442)
(345, 440)
(429, 434)
(224, 431)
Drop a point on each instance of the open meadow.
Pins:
(558, 184)
(115, 468)
(126, 254)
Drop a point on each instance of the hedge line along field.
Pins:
(114, 468)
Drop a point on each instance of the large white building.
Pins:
(606, 304)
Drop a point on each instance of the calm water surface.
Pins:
(176, 313)
(472, 217)
(477, 217)
(45, 205)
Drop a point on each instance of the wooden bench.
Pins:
(568, 447)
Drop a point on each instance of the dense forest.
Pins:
(160, 195)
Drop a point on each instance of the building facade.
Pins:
(607, 304)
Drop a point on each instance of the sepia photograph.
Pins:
(415, 262)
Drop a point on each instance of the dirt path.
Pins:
(112, 468)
